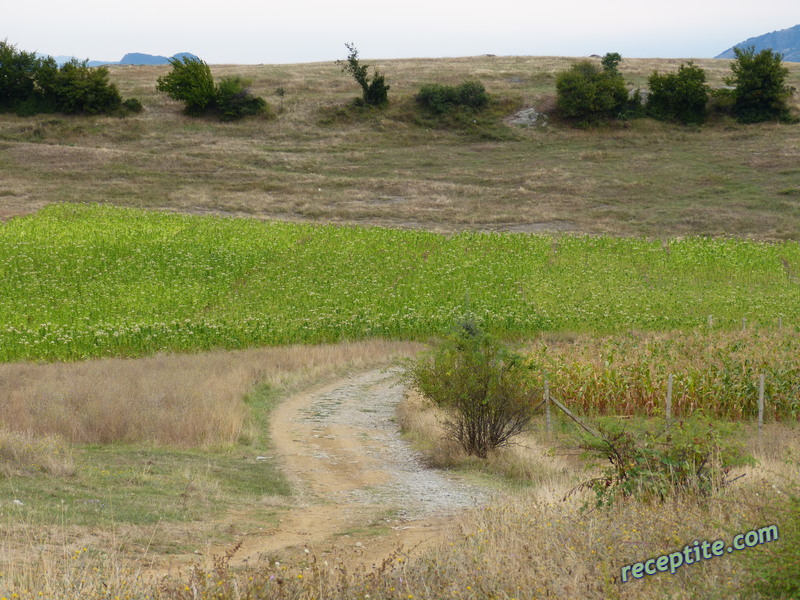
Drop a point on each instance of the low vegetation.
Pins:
(89, 281)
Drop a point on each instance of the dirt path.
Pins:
(354, 477)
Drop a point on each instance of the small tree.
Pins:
(760, 93)
(375, 92)
(587, 93)
(484, 388)
(77, 88)
(681, 96)
(191, 82)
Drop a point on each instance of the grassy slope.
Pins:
(312, 164)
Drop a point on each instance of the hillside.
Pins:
(784, 41)
(319, 161)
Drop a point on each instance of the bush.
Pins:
(374, 93)
(760, 93)
(484, 387)
(30, 85)
(17, 76)
(132, 105)
(681, 96)
(444, 98)
(587, 94)
(77, 88)
(691, 456)
(191, 82)
(234, 100)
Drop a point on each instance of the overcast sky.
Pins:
(289, 31)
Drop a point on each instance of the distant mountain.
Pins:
(785, 42)
(132, 58)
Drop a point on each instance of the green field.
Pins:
(87, 281)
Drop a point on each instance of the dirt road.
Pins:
(358, 484)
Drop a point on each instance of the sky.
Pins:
(297, 31)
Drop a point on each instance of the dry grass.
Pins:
(25, 452)
(316, 162)
(182, 400)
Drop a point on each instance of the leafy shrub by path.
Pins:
(691, 456)
(681, 96)
(483, 386)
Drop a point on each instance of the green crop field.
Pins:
(87, 281)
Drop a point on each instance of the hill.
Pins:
(132, 58)
(784, 41)
(319, 160)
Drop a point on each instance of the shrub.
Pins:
(760, 93)
(691, 456)
(375, 92)
(17, 76)
(132, 105)
(191, 82)
(78, 88)
(443, 98)
(681, 96)
(484, 387)
(234, 100)
(588, 94)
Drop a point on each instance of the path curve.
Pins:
(340, 447)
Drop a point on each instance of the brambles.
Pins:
(482, 385)
(374, 93)
(191, 82)
(692, 456)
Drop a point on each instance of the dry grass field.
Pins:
(316, 161)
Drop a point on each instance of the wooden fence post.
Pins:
(547, 405)
(669, 398)
(760, 403)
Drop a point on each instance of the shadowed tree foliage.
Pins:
(681, 96)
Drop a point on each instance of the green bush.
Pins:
(132, 105)
(30, 85)
(374, 93)
(681, 96)
(17, 76)
(761, 92)
(444, 98)
(484, 387)
(77, 88)
(190, 82)
(234, 100)
(588, 94)
(691, 456)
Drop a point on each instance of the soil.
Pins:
(360, 488)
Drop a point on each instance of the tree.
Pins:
(375, 92)
(191, 82)
(484, 388)
(587, 93)
(681, 96)
(761, 92)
